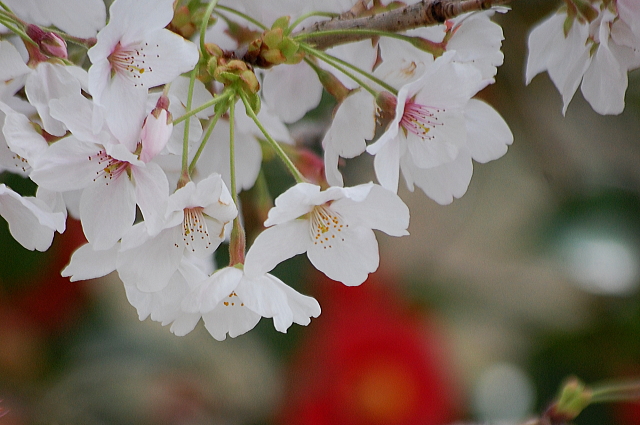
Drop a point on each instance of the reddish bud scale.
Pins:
(49, 43)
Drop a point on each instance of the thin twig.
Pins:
(424, 13)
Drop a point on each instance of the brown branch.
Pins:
(424, 13)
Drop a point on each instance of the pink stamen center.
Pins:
(130, 62)
(420, 119)
(111, 168)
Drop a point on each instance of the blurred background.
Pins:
(479, 315)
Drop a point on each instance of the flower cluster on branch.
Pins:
(151, 125)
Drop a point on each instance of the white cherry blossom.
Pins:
(113, 179)
(232, 302)
(429, 125)
(334, 227)
(194, 222)
(595, 56)
(164, 306)
(134, 53)
(42, 83)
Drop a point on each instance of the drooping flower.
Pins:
(134, 53)
(194, 222)
(232, 302)
(593, 52)
(334, 227)
(164, 305)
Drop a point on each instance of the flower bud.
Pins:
(50, 43)
(156, 130)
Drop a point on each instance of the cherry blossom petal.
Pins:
(353, 123)
(12, 63)
(488, 135)
(275, 245)
(133, 19)
(154, 135)
(216, 157)
(302, 306)
(477, 40)
(441, 183)
(150, 265)
(234, 320)
(30, 222)
(107, 211)
(387, 166)
(66, 165)
(350, 259)
(293, 203)
(21, 136)
(87, 263)
(152, 194)
(566, 59)
(393, 219)
(50, 81)
(124, 106)
(605, 81)
(212, 290)
(281, 90)
(263, 296)
(76, 112)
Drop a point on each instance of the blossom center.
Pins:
(111, 168)
(327, 226)
(194, 229)
(420, 119)
(130, 62)
(232, 301)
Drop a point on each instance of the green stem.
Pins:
(237, 243)
(243, 16)
(347, 73)
(10, 15)
(191, 112)
(309, 15)
(297, 175)
(4, 6)
(340, 65)
(85, 42)
(621, 392)
(205, 24)
(232, 150)
(185, 140)
(10, 24)
(205, 139)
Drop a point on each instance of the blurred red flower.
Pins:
(369, 359)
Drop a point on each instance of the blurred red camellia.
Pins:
(369, 359)
(45, 305)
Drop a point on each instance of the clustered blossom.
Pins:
(150, 157)
(593, 47)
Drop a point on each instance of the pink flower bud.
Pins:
(50, 43)
(156, 130)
